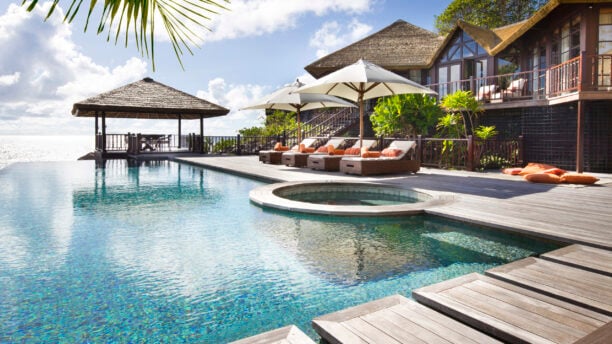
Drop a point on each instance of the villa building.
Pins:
(547, 78)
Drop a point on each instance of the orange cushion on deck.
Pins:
(534, 167)
(512, 171)
(555, 170)
(543, 178)
(337, 152)
(322, 149)
(308, 150)
(578, 178)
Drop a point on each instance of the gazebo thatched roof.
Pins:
(398, 47)
(147, 98)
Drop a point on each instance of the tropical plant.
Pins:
(276, 123)
(224, 146)
(405, 114)
(252, 131)
(466, 107)
(485, 132)
(180, 19)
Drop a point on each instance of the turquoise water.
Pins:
(167, 252)
(352, 198)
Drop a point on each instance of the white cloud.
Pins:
(233, 97)
(9, 79)
(332, 36)
(248, 18)
(42, 72)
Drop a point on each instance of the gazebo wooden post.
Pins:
(202, 134)
(96, 131)
(104, 132)
(179, 131)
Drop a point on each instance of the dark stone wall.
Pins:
(549, 133)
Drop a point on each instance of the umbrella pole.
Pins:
(360, 121)
(299, 130)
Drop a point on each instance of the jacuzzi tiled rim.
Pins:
(272, 196)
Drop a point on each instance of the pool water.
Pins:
(167, 252)
(352, 198)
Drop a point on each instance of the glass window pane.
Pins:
(605, 16)
(605, 48)
(605, 33)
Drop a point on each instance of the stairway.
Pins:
(330, 123)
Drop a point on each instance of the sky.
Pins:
(253, 48)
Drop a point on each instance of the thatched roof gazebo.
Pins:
(398, 47)
(146, 99)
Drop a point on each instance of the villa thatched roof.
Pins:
(398, 47)
(150, 99)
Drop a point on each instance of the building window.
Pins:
(462, 47)
(566, 42)
(605, 32)
(604, 47)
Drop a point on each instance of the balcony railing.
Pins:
(537, 84)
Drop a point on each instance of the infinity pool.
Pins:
(167, 252)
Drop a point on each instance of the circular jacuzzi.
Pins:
(346, 198)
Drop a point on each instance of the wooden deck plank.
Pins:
(516, 316)
(519, 315)
(394, 319)
(583, 257)
(573, 285)
(601, 336)
(285, 335)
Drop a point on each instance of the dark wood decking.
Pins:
(581, 287)
(394, 319)
(509, 312)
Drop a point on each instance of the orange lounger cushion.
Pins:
(391, 152)
(533, 167)
(578, 178)
(352, 151)
(280, 148)
(543, 178)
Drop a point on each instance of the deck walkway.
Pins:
(566, 213)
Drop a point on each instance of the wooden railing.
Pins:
(136, 143)
(536, 84)
(469, 154)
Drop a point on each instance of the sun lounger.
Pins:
(384, 164)
(326, 162)
(299, 159)
(274, 156)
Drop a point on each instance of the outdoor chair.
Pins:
(300, 158)
(274, 156)
(327, 162)
(393, 159)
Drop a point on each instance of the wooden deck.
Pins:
(583, 257)
(563, 297)
(394, 319)
(285, 335)
(509, 312)
(566, 213)
(581, 287)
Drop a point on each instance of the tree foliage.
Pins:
(180, 18)
(462, 112)
(486, 13)
(276, 123)
(405, 114)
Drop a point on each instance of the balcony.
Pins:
(582, 78)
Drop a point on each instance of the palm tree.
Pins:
(177, 16)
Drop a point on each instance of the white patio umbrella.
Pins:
(286, 99)
(363, 80)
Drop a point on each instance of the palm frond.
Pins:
(119, 17)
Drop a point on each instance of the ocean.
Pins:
(25, 148)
